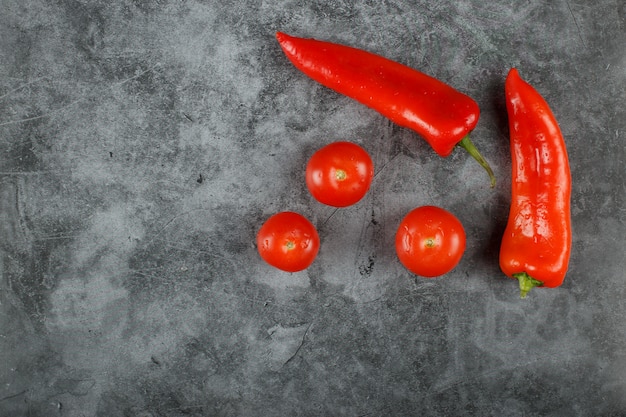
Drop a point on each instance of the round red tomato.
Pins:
(288, 241)
(430, 241)
(339, 174)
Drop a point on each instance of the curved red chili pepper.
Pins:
(537, 240)
(439, 113)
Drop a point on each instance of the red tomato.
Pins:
(430, 241)
(339, 174)
(288, 241)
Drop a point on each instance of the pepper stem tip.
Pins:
(526, 283)
(467, 144)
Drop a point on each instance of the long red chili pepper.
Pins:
(439, 113)
(537, 240)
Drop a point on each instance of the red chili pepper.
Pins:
(537, 241)
(439, 113)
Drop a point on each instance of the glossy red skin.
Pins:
(430, 224)
(537, 239)
(345, 158)
(439, 113)
(288, 241)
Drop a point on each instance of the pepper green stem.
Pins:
(526, 283)
(467, 144)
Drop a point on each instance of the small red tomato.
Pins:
(288, 241)
(339, 174)
(430, 241)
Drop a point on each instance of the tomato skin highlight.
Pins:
(430, 241)
(288, 241)
(339, 174)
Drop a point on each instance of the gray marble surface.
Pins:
(143, 143)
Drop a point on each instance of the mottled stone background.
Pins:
(143, 143)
